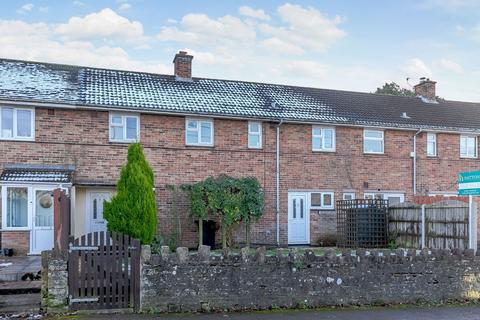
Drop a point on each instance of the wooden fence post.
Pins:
(472, 223)
(61, 219)
(423, 226)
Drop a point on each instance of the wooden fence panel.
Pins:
(446, 225)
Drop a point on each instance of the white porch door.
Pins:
(298, 219)
(42, 227)
(95, 220)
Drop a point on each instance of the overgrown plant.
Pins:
(133, 210)
(230, 199)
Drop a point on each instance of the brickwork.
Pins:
(18, 240)
(80, 138)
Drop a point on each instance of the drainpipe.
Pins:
(415, 161)
(277, 197)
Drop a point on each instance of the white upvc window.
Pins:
(322, 200)
(17, 123)
(254, 135)
(468, 146)
(431, 144)
(124, 127)
(393, 198)
(373, 141)
(15, 208)
(348, 196)
(323, 139)
(199, 132)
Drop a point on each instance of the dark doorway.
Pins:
(209, 229)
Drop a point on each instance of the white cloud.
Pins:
(124, 6)
(78, 3)
(36, 41)
(449, 65)
(26, 8)
(306, 27)
(252, 13)
(43, 9)
(415, 68)
(105, 24)
(278, 46)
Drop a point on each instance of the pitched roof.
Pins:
(34, 173)
(24, 81)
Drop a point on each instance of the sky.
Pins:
(343, 44)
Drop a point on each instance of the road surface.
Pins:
(394, 313)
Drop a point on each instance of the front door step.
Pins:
(20, 287)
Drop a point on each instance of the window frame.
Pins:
(4, 190)
(386, 195)
(374, 139)
(14, 136)
(322, 137)
(349, 193)
(199, 134)
(322, 204)
(434, 135)
(476, 146)
(124, 117)
(259, 134)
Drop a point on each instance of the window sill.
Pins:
(468, 158)
(200, 146)
(123, 142)
(323, 151)
(374, 153)
(18, 139)
(15, 229)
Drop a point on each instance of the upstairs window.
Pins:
(323, 139)
(431, 144)
(124, 128)
(468, 146)
(17, 123)
(199, 132)
(373, 141)
(255, 135)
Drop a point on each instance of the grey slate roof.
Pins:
(40, 174)
(92, 87)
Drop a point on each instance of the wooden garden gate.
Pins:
(104, 271)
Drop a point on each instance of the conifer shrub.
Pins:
(133, 210)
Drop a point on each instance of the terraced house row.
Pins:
(70, 126)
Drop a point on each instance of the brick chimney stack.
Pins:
(183, 66)
(426, 89)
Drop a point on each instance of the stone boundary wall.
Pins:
(54, 282)
(287, 278)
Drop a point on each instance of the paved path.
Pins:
(410, 313)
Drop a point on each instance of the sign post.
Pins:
(469, 184)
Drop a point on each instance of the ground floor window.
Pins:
(349, 196)
(16, 207)
(393, 198)
(321, 200)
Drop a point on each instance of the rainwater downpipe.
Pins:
(415, 161)
(277, 187)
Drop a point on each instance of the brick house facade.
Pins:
(79, 137)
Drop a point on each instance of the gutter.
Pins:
(414, 153)
(277, 187)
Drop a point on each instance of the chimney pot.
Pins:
(426, 89)
(183, 66)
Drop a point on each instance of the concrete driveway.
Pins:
(397, 313)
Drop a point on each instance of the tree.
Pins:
(251, 205)
(229, 199)
(394, 89)
(133, 209)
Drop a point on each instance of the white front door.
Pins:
(42, 224)
(298, 218)
(95, 220)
